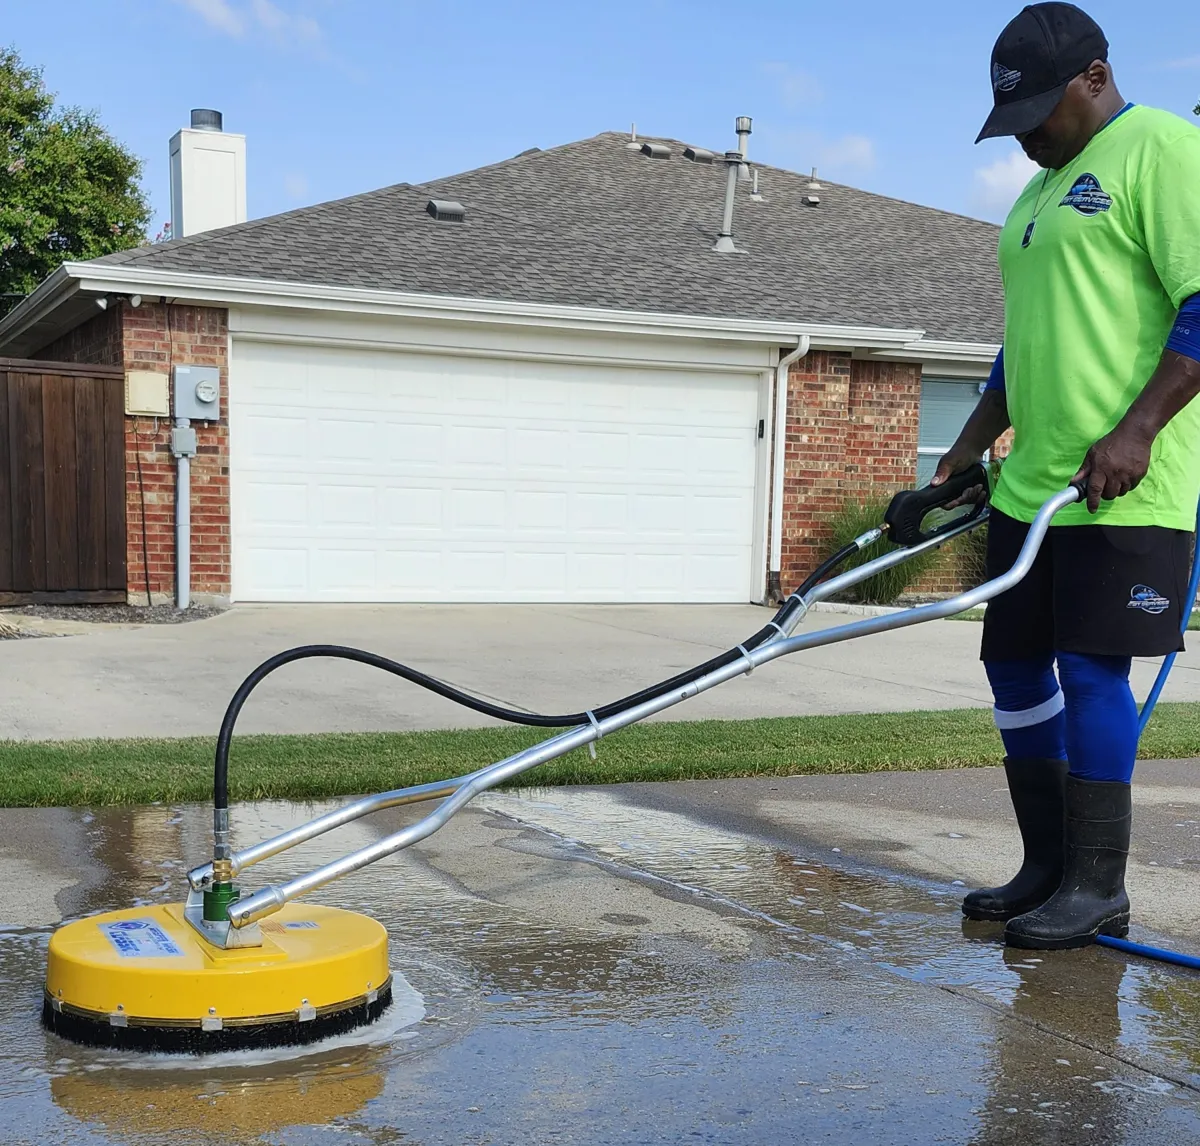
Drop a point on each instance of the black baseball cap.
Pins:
(1036, 56)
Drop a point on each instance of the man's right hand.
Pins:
(954, 461)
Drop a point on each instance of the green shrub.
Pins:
(855, 517)
(969, 554)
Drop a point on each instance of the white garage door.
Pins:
(384, 476)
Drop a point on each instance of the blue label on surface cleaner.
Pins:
(140, 939)
(301, 925)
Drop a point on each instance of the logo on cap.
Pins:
(1004, 79)
(1087, 196)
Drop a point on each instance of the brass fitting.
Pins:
(222, 871)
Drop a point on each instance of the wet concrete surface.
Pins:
(638, 964)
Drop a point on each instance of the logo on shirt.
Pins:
(1004, 79)
(1148, 600)
(1087, 196)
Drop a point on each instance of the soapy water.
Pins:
(393, 1027)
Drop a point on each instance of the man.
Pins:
(1100, 259)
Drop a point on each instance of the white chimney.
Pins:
(208, 176)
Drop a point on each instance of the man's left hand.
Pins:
(1114, 465)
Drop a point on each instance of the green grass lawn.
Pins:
(308, 767)
(977, 615)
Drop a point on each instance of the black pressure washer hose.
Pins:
(499, 712)
(903, 521)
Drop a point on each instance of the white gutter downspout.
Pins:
(774, 590)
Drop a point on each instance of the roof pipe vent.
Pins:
(656, 150)
(446, 210)
(742, 127)
(699, 154)
(813, 185)
(724, 244)
(633, 144)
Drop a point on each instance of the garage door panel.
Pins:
(415, 443)
(477, 510)
(343, 508)
(273, 437)
(475, 447)
(534, 511)
(279, 505)
(386, 476)
(338, 571)
(412, 508)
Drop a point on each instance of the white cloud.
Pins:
(219, 15)
(295, 184)
(1184, 64)
(797, 89)
(260, 17)
(285, 28)
(998, 184)
(849, 153)
(800, 149)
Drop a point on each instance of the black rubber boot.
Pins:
(1037, 790)
(1091, 899)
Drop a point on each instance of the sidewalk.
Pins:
(176, 680)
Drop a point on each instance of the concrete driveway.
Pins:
(175, 680)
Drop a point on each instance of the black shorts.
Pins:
(1113, 590)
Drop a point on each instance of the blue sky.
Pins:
(342, 96)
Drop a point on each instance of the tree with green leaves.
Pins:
(68, 190)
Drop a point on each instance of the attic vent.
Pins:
(446, 210)
(699, 154)
(812, 200)
(656, 150)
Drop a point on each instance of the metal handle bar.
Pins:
(201, 877)
(271, 899)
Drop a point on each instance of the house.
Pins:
(543, 380)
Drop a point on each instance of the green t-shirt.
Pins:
(1089, 303)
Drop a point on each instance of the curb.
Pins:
(855, 610)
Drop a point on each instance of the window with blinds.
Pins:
(946, 403)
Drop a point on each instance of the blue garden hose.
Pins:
(1161, 953)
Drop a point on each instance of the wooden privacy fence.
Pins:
(62, 482)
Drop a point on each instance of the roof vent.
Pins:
(742, 129)
(446, 210)
(205, 119)
(724, 244)
(699, 154)
(812, 200)
(813, 185)
(656, 150)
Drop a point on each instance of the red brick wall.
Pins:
(141, 338)
(97, 341)
(852, 428)
(198, 336)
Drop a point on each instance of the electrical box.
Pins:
(147, 393)
(197, 393)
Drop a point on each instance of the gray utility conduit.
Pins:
(183, 446)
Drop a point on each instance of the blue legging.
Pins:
(1092, 720)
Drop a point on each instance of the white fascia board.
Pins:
(226, 290)
(932, 350)
(45, 297)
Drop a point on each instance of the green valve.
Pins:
(217, 900)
